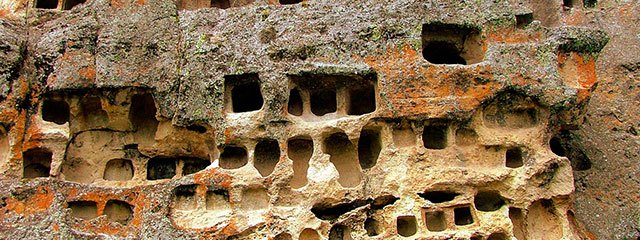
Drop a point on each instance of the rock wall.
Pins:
(297, 120)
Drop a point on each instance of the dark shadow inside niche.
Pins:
(514, 158)
(435, 221)
(194, 165)
(161, 168)
(233, 157)
(83, 209)
(295, 104)
(511, 110)
(222, 4)
(438, 196)
(184, 197)
(328, 211)
(406, 226)
(498, 236)
(488, 201)
(344, 158)
(288, 2)
(323, 102)
(309, 234)
(361, 100)
(243, 93)
(340, 232)
(36, 163)
(266, 156)
(524, 20)
(283, 236)
(382, 201)
(568, 4)
(118, 211)
(118, 170)
(570, 145)
(47, 4)
(56, 111)
(92, 113)
(300, 150)
(590, 3)
(462, 216)
(142, 114)
(516, 215)
(444, 43)
(197, 128)
(435, 136)
(372, 227)
(69, 4)
(369, 147)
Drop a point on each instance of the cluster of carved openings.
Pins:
(444, 43)
(222, 4)
(37, 163)
(170, 167)
(115, 210)
(319, 95)
(243, 93)
(53, 4)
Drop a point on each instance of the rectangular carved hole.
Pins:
(37, 163)
(407, 226)
(142, 114)
(300, 151)
(233, 157)
(185, 197)
(288, 2)
(218, 200)
(92, 113)
(295, 104)
(194, 165)
(340, 232)
(323, 102)
(69, 4)
(435, 221)
(47, 4)
(118, 211)
(451, 44)
(243, 92)
(161, 168)
(343, 157)
(372, 227)
(435, 136)
(361, 100)
(590, 3)
(83, 209)
(462, 216)
(523, 20)
(266, 156)
(118, 170)
(567, 3)
(369, 147)
(514, 158)
(56, 111)
(222, 4)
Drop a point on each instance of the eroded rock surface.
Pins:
(291, 120)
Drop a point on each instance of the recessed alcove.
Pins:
(435, 221)
(83, 209)
(55, 110)
(514, 157)
(295, 104)
(118, 170)
(184, 197)
(36, 163)
(69, 4)
(46, 4)
(339, 232)
(194, 165)
(161, 168)
(435, 136)
(462, 216)
(289, 2)
(369, 147)
(118, 211)
(142, 114)
(406, 226)
(444, 43)
(266, 156)
(488, 201)
(233, 157)
(344, 158)
(243, 93)
(93, 115)
(300, 150)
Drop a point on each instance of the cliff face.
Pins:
(313, 120)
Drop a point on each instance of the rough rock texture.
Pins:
(314, 120)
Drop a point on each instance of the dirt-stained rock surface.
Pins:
(317, 119)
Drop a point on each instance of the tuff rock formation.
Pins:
(312, 119)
